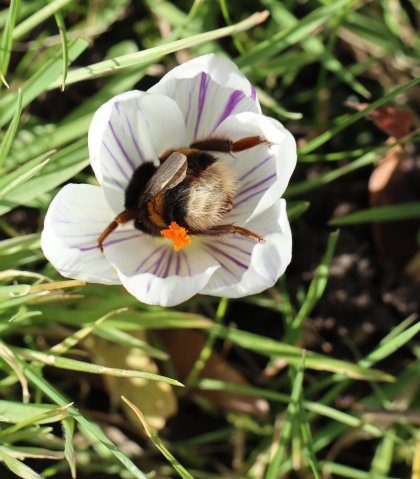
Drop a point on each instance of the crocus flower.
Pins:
(206, 97)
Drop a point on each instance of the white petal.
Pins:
(262, 172)
(75, 219)
(127, 131)
(154, 273)
(249, 267)
(208, 89)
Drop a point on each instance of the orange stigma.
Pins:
(177, 234)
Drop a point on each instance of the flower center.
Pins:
(177, 234)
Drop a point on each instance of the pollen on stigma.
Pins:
(178, 234)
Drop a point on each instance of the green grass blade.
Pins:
(17, 412)
(36, 18)
(118, 336)
(400, 212)
(341, 470)
(19, 177)
(145, 57)
(297, 209)
(316, 408)
(7, 38)
(45, 417)
(325, 178)
(17, 467)
(11, 130)
(63, 166)
(315, 46)
(293, 354)
(46, 388)
(386, 348)
(11, 303)
(157, 441)
(269, 102)
(69, 453)
(207, 349)
(63, 133)
(71, 341)
(348, 120)
(38, 83)
(287, 427)
(290, 35)
(64, 46)
(382, 462)
(318, 284)
(9, 358)
(75, 365)
(399, 328)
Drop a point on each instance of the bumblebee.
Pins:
(190, 187)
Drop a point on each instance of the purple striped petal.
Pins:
(262, 171)
(204, 103)
(156, 274)
(221, 70)
(249, 267)
(74, 221)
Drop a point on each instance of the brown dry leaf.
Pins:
(392, 182)
(394, 121)
(156, 400)
(184, 347)
(389, 185)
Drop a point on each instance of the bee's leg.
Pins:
(229, 146)
(228, 230)
(120, 219)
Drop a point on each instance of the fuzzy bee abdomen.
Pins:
(210, 197)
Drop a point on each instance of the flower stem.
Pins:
(208, 347)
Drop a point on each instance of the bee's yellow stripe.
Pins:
(155, 210)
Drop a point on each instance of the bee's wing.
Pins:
(169, 174)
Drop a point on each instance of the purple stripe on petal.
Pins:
(168, 265)
(258, 165)
(80, 235)
(136, 143)
(150, 256)
(108, 243)
(228, 256)
(185, 258)
(178, 264)
(117, 106)
(117, 164)
(149, 285)
(121, 147)
(243, 200)
(158, 263)
(237, 248)
(122, 240)
(161, 264)
(256, 185)
(253, 93)
(202, 92)
(234, 98)
(223, 266)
